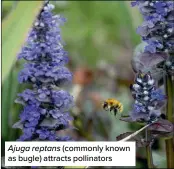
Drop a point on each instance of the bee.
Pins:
(113, 105)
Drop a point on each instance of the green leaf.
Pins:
(10, 88)
(6, 96)
(6, 8)
(14, 32)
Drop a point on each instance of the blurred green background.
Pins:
(100, 38)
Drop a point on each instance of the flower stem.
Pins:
(149, 151)
(169, 116)
(135, 133)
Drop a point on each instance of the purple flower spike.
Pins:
(148, 99)
(158, 26)
(45, 107)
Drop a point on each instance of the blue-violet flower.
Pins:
(45, 105)
(158, 26)
(148, 98)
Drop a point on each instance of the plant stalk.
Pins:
(169, 86)
(135, 133)
(149, 150)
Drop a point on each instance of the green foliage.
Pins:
(14, 30)
(15, 27)
(10, 110)
(6, 8)
(97, 30)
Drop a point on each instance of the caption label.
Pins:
(70, 154)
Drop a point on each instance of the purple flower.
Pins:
(44, 72)
(55, 113)
(27, 134)
(139, 108)
(148, 98)
(158, 28)
(45, 107)
(158, 95)
(31, 115)
(43, 93)
(62, 99)
(63, 120)
(45, 134)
